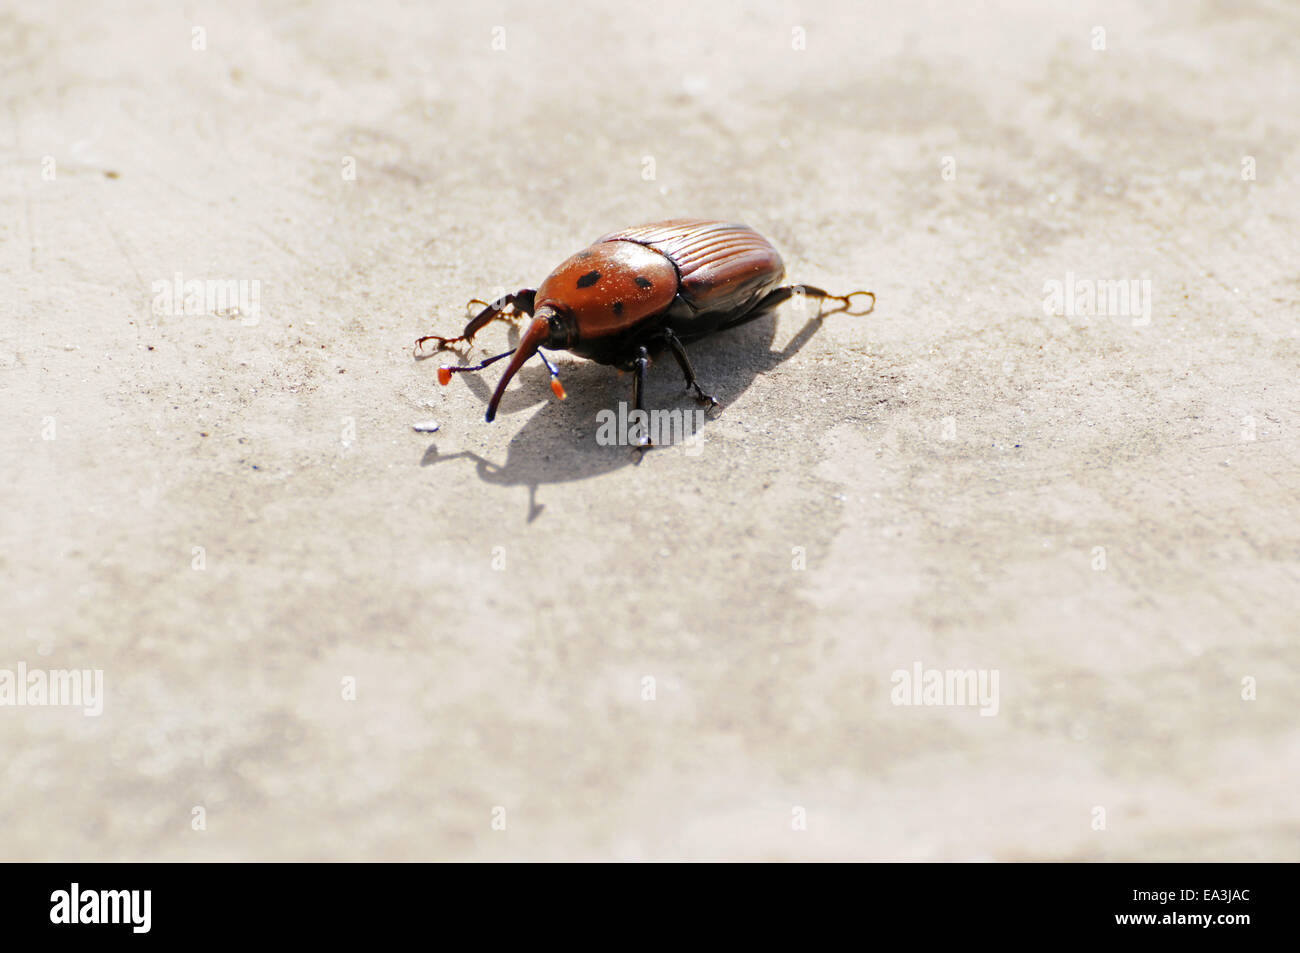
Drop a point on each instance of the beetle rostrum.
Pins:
(634, 292)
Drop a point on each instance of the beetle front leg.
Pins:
(684, 362)
(521, 302)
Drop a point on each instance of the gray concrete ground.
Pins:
(229, 514)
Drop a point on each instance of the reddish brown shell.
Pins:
(723, 266)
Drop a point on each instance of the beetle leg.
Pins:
(521, 302)
(684, 362)
(778, 295)
(638, 393)
(844, 300)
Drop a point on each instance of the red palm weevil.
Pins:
(636, 291)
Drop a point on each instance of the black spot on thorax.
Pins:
(618, 307)
(589, 279)
(643, 282)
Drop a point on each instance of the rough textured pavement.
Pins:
(229, 514)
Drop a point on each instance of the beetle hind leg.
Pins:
(507, 308)
(845, 301)
(778, 295)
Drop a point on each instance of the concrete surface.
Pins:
(230, 519)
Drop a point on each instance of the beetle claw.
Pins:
(707, 400)
(444, 344)
(640, 438)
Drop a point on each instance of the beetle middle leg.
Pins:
(684, 362)
(521, 302)
(639, 365)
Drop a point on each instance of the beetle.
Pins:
(637, 291)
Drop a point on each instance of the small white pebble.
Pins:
(429, 426)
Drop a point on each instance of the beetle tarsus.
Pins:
(444, 344)
(779, 295)
(707, 399)
(847, 307)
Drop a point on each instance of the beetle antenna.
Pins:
(445, 372)
(555, 376)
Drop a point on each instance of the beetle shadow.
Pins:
(558, 445)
